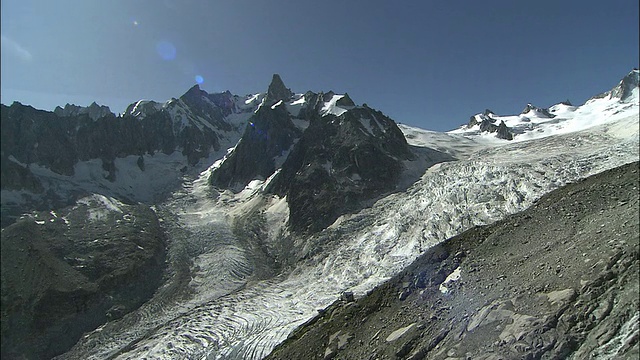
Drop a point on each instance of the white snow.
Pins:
(330, 107)
(276, 104)
(100, 206)
(454, 276)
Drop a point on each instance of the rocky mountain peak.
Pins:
(625, 88)
(277, 91)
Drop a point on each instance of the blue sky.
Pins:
(430, 64)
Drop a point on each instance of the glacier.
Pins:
(223, 301)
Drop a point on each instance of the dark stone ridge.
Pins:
(65, 273)
(345, 101)
(531, 109)
(567, 103)
(503, 132)
(277, 91)
(626, 86)
(547, 283)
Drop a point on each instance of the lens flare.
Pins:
(199, 79)
(166, 50)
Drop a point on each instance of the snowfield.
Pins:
(219, 304)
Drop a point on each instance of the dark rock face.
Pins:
(66, 273)
(557, 281)
(277, 91)
(269, 134)
(339, 162)
(626, 86)
(503, 132)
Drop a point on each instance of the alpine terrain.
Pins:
(306, 226)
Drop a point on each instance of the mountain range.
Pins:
(213, 225)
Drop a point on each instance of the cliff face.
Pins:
(557, 280)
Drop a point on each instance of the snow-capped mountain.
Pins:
(321, 152)
(535, 122)
(268, 234)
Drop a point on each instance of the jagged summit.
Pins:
(94, 111)
(345, 101)
(277, 91)
(320, 150)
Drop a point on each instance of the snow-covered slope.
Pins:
(221, 301)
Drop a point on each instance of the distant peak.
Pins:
(625, 88)
(277, 91)
(195, 89)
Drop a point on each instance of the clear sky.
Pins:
(431, 64)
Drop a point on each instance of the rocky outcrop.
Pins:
(487, 124)
(559, 280)
(65, 273)
(626, 86)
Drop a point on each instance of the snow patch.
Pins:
(454, 276)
